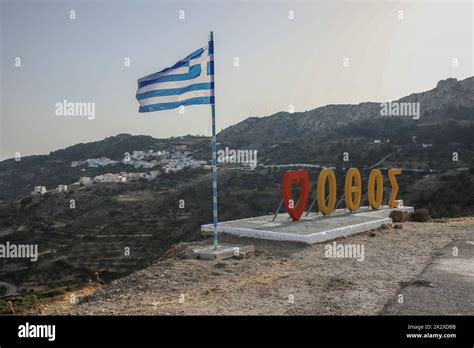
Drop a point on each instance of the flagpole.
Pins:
(214, 145)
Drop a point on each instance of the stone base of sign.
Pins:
(314, 228)
(224, 251)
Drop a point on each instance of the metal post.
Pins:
(363, 200)
(214, 146)
(385, 200)
(339, 202)
(311, 206)
(278, 210)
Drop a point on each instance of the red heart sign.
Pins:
(291, 177)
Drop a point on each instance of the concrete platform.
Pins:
(224, 251)
(314, 228)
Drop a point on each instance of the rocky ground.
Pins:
(280, 278)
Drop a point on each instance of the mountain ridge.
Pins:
(321, 135)
(434, 99)
(449, 92)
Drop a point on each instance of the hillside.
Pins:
(294, 279)
(87, 243)
(318, 136)
(17, 178)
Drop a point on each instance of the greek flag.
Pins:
(189, 82)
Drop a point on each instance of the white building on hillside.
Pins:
(76, 163)
(39, 190)
(99, 162)
(135, 176)
(85, 180)
(153, 175)
(110, 178)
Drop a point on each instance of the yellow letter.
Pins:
(321, 195)
(375, 177)
(392, 201)
(352, 193)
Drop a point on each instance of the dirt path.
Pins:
(280, 278)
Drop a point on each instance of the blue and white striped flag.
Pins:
(189, 82)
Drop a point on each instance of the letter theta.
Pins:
(353, 189)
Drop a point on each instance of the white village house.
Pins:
(39, 190)
(85, 180)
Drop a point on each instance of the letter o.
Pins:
(326, 173)
(375, 195)
(352, 193)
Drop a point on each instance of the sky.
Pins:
(300, 53)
